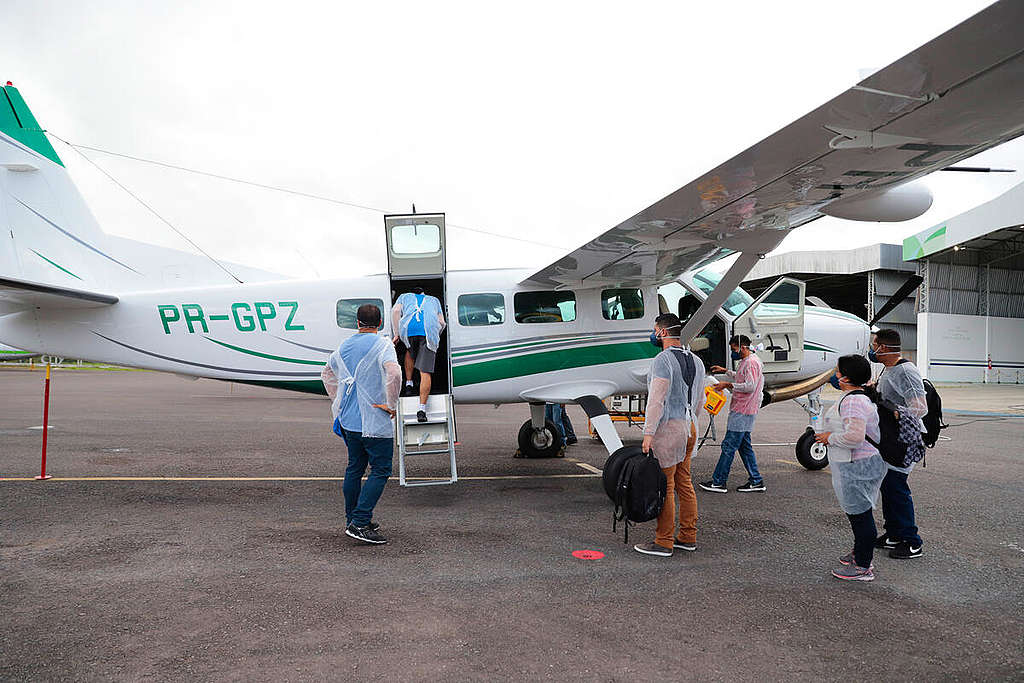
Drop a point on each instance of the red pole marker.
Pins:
(587, 554)
(46, 421)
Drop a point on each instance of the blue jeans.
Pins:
(556, 413)
(360, 499)
(898, 508)
(730, 444)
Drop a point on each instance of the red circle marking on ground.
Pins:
(587, 554)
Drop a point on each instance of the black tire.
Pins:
(812, 455)
(542, 443)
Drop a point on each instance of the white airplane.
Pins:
(574, 331)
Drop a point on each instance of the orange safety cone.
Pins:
(46, 420)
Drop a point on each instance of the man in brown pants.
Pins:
(674, 395)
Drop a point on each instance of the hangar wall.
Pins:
(959, 347)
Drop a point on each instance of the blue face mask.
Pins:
(735, 355)
(834, 381)
(872, 356)
(655, 339)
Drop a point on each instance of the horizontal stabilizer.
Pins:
(22, 293)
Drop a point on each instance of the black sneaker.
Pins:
(906, 551)
(689, 547)
(886, 542)
(713, 487)
(571, 441)
(365, 534)
(421, 416)
(408, 390)
(373, 525)
(748, 487)
(653, 548)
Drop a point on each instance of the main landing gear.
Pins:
(809, 453)
(545, 442)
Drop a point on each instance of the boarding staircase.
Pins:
(435, 437)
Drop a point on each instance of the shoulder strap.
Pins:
(862, 393)
(688, 369)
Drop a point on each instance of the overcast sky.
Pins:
(548, 121)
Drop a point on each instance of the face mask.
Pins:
(834, 381)
(873, 355)
(655, 339)
(736, 355)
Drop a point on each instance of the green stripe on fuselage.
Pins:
(268, 356)
(306, 386)
(550, 361)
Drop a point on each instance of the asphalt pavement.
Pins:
(235, 566)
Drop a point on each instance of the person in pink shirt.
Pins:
(746, 385)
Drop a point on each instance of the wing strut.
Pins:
(730, 281)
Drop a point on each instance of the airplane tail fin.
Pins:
(48, 236)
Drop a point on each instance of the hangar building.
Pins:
(970, 316)
(965, 323)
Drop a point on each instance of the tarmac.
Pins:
(194, 530)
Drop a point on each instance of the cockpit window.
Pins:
(706, 280)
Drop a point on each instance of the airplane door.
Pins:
(416, 260)
(415, 245)
(776, 321)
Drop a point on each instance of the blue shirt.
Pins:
(416, 328)
(352, 351)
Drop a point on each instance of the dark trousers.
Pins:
(898, 508)
(863, 537)
(557, 414)
(360, 498)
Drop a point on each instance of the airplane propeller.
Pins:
(912, 282)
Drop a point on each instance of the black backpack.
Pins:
(636, 485)
(900, 442)
(933, 423)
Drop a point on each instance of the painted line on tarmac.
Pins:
(502, 477)
(589, 468)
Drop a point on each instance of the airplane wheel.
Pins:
(539, 443)
(809, 453)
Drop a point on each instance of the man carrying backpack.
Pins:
(674, 394)
(901, 384)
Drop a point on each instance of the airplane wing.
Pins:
(954, 97)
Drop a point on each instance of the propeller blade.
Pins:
(910, 285)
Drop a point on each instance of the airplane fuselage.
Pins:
(280, 333)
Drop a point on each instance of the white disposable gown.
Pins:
(902, 384)
(374, 383)
(408, 306)
(668, 414)
(857, 468)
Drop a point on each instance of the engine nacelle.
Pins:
(901, 203)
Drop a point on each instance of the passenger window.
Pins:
(346, 311)
(545, 307)
(478, 310)
(622, 304)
